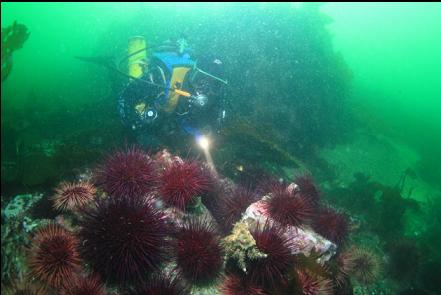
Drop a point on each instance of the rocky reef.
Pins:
(16, 227)
(140, 221)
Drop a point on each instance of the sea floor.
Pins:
(380, 158)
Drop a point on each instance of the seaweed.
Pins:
(13, 38)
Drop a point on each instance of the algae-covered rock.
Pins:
(240, 245)
(15, 229)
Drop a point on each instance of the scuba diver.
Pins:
(169, 92)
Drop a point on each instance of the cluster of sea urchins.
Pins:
(286, 205)
(134, 232)
(123, 233)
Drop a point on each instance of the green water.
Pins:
(395, 57)
(353, 89)
(392, 52)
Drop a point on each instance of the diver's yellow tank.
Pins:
(137, 61)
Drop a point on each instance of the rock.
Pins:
(15, 230)
(303, 240)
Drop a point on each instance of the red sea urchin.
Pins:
(199, 254)
(123, 239)
(128, 173)
(235, 285)
(310, 284)
(288, 208)
(233, 206)
(340, 267)
(271, 270)
(162, 284)
(24, 288)
(307, 188)
(332, 225)
(213, 199)
(366, 266)
(73, 196)
(181, 181)
(85, 286)
(53, 256)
